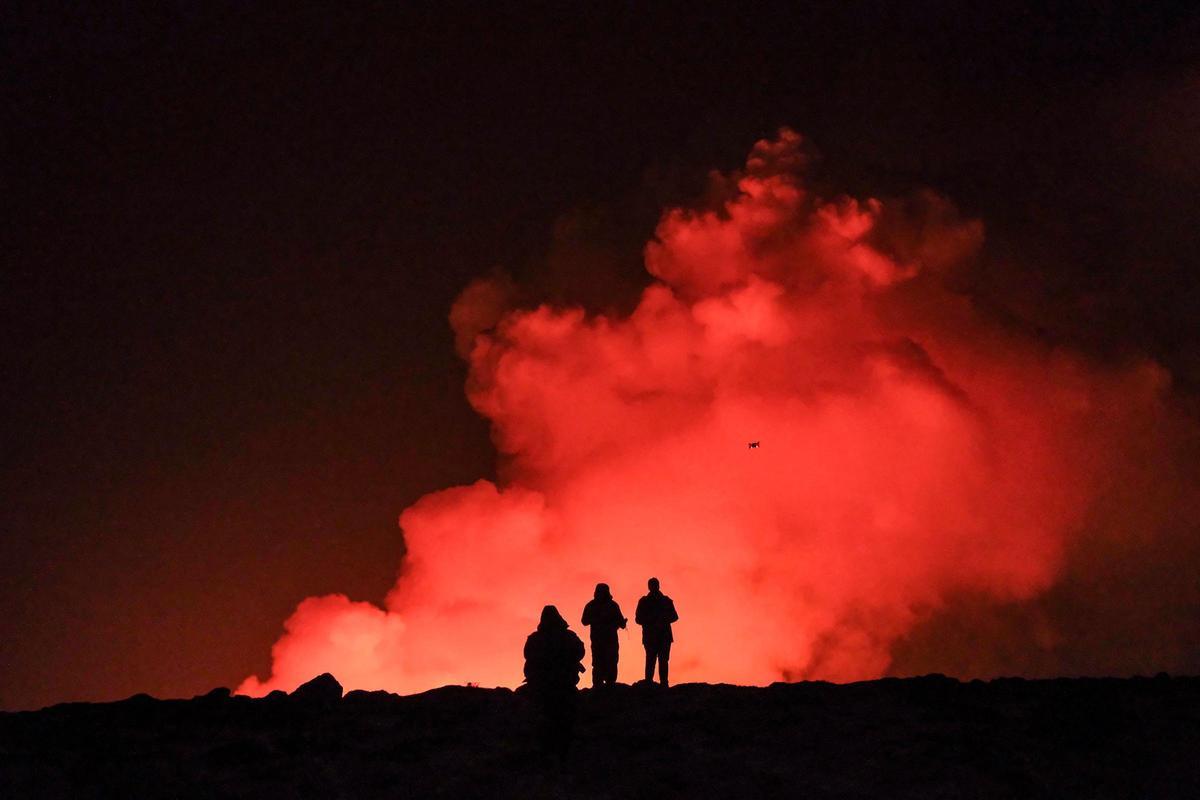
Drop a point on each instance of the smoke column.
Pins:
(914, 448)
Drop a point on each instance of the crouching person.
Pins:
(553, 661)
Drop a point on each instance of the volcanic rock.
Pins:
(899, 738)
(321, 690)
(370, 699)
(219, 693)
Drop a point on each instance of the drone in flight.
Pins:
(752, 445)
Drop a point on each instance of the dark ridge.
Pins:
(323, 690)
(924, 737)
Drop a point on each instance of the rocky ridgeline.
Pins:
(919, 737)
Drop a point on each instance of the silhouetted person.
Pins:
(604, 617)
(552, 665)
(655, 613)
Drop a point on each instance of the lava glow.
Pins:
(912, 448)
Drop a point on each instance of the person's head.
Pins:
(653, 584)
(551, 619)
(602, 592)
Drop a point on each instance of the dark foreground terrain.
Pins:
(925, 737)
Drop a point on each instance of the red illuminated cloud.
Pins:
(912, 448)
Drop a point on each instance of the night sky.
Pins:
(232, 239)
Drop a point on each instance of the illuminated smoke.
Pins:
(913, 449)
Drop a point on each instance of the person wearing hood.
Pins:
(553, 661)
(603, 616)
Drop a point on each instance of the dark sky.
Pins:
(232, 236)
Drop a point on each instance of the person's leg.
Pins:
(651, 657)
(608, 672)
(664, 658)
(601, 663)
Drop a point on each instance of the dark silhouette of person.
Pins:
(603, 616)
(655, 613)
(553, 661)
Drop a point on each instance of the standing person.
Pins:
(655, 613)
(604, 617)
(552, 665)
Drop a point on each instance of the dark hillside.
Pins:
(923, 737)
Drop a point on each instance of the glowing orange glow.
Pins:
(911, 448)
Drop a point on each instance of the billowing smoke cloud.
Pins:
(914, 450)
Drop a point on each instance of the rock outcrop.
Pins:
(911, 738)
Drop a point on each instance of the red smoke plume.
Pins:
(913, 449)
